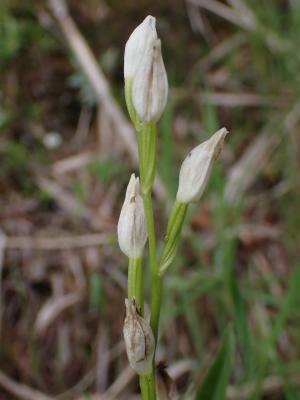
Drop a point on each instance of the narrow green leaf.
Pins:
(173, 234)
(216, 381)
(242, 328)
(288, 306)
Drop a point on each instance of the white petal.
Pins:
(138, 44)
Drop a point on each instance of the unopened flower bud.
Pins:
(196, 168)
(138, 44)
(139, 339)
(150, 85)
(132, 227)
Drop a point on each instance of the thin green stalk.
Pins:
(135, 282)
(147, 386)
(146, 137)
(135, 290)
(147, 162)
(156, 281)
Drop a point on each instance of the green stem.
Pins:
(147, 161)
(135, 282)
(135, 290)
(147, 386)
(156, 281)
(148, 383)
(146, 136)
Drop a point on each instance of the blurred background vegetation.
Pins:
(64, 169)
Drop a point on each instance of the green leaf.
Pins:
(173, 234)
(287, 308)
(216, 381)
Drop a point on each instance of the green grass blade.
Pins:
(287, 309)
(216, 381)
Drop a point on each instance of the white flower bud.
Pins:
(150, 85)
(138, 44)
(132, 227)
(139, 339)
(196, 168)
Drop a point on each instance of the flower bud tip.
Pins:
(138, 44)
(196, 168)
(132, 229)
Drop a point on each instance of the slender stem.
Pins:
(147, 163)
(146, 136)
(156, 282)
(148, 383)
(135, 282)
(147, 386)
(135, 290)
(144, 388)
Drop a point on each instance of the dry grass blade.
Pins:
(72, 163)
(53, 308)
(240, 100)
(254, 232)
(103, 359)
(245, 171)
(21, 391)
(271, 385)
(221, 50)
(245, 13)
(180, 368)
(89, 377)
(115, 390)
(57, 243)
(82, 130)
(120, 383)
(199, 22)
(65, 199)
(242, 17)
(222, 10)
